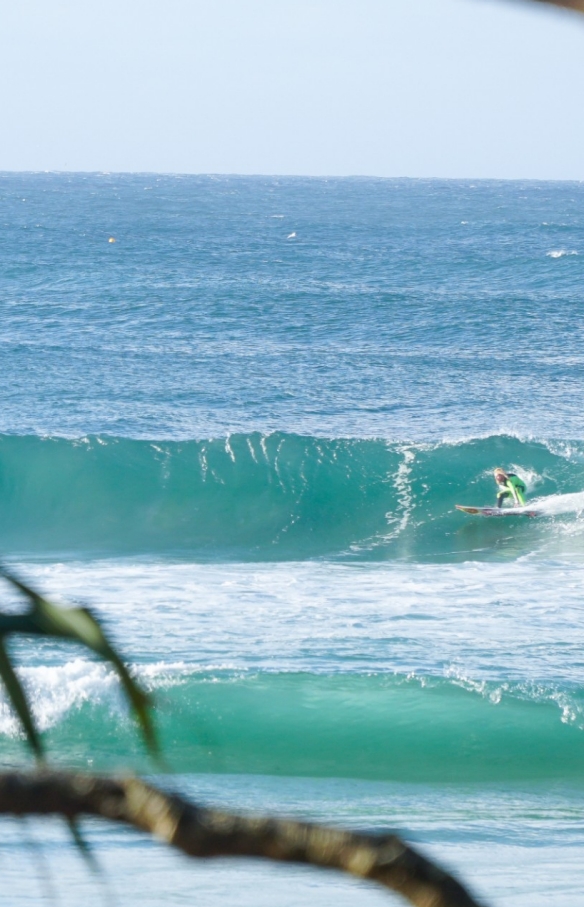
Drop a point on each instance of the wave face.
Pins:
(377, 727)
(281, 496)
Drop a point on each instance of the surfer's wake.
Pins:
(556, 504)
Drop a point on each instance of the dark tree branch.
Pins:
(202, 832)
(568, 4)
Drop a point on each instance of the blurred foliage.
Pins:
(568, 4)
(44, 619)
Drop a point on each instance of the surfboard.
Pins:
(498, 511)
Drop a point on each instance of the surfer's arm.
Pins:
(518, 489)
(508, 490)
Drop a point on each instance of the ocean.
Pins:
(237, 414)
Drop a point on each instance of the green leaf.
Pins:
(19, 701)
(79, 624)
(83, 846)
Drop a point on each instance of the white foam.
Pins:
(403, 489)
(557, 504)
(571, 708)
(560, 253)
(55, 691)
(491, 619)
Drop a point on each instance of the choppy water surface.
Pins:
(239, 432)
(335, 307)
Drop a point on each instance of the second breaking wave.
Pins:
(377, 726)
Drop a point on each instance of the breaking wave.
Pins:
(281, 496)
(380, 726)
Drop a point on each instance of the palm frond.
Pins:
(43, 618)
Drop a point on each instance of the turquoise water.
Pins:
(281, 497)
(238, 432)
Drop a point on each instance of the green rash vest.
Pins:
(516, 488)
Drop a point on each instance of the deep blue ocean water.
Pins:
(236, 416)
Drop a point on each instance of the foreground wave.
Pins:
(276, 496)
(385, 727)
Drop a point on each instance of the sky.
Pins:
(416, 88)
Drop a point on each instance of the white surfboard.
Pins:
(499, 511)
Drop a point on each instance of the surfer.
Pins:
(510, 486)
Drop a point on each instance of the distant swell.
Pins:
(277, 496)
(374, 727)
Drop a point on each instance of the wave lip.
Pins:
(272, 497)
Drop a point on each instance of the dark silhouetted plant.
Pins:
(44, 619)
(195, 830)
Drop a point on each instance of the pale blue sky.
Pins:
(445, 88)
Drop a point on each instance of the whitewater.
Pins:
(239, 433)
